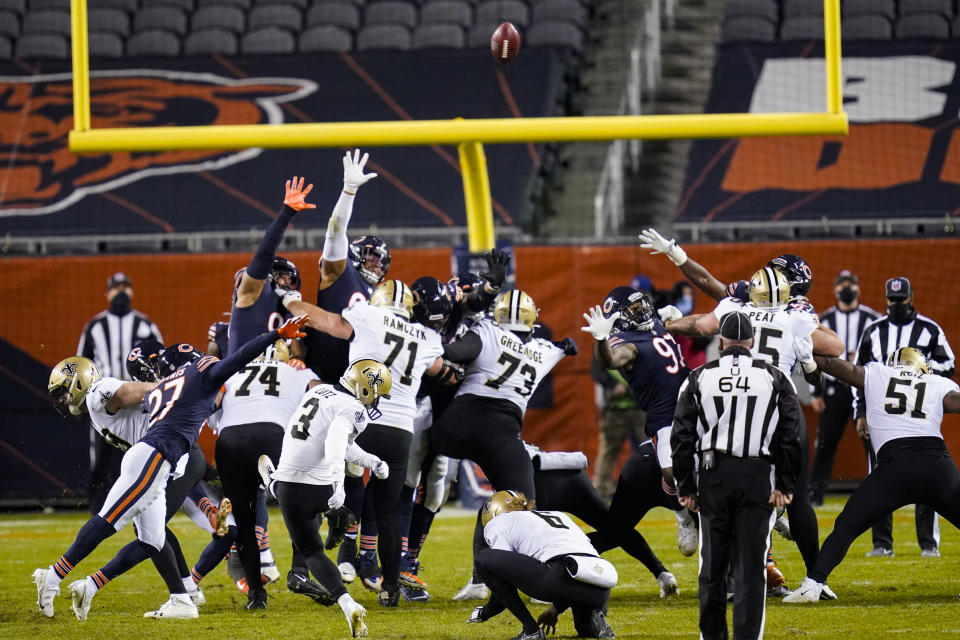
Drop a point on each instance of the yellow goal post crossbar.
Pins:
(462, 132)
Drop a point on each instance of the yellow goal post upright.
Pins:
(467, 134)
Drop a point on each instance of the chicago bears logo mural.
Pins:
(42, 175)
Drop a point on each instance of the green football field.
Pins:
(904, 597)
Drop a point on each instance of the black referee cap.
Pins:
(736, 326)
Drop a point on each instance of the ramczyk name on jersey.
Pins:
(518, 347)
(399, 325)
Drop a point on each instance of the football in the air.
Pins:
(505, 43)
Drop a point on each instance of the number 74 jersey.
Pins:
(902, 403)
(506, 368)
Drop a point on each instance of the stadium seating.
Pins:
(324, 37)
(210, 40)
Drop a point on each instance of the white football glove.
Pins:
(669, 313)
(598, 326)
(653, 240)
(353, 175)
(339, 496)
(287, 296)
(803, 348)
(381, 470)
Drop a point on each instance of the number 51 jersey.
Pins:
(902, 403)
(774, 330)
(263, 392)
(507, 368)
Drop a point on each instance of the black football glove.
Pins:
(497, 263)
(338, 521)
(569, 346)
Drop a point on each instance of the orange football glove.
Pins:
(297, 364)
(296, 194)
(291, 328)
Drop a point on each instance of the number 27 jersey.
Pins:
(506, 368)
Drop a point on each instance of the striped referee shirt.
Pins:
(849, 326)
(882, 337)
(108, 338)
(740, 407)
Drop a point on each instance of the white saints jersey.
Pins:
(902, 403)
(320, 429)
(124, 428)
(774, 330)
(407, 348)
(507, 368)
(262, 392)
(539, 534)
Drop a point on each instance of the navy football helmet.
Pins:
(431, 302)
(176, 356)
(143, 360)
(282, 266)
(365, 248)
(797, 271)
(636, 309)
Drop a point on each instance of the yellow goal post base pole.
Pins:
(476, 194)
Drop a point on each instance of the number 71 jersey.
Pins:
(902, 403)
(507, 368)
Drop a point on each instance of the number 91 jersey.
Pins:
(507, 368)
(263, 392)
(902, 403)
(774, 330)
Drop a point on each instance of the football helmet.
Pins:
(466, 282)
(368, 380)
(176, 356)
(768, 288)
(70, 379)
(370, 247)
(798, 273)
(282, 266)
(431, 302)
(636, 309)
(142, 361)
(515, 311)
(278, 351)
(908, 357)
(502, 502)
(394, 295)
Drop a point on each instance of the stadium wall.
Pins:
(48, 300)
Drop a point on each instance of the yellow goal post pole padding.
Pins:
(476, 194)
(831, 35)
(81, 65)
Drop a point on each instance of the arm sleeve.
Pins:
(262, 260)
(864, 355)
(464, 349)
(785, 446)
(85, 348)
(684, 436)
(335, 242)
(479, 299)
(335, 444)
(562, 460)
(357, 455)
(218, 373)
(942, 361)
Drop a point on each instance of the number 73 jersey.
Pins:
(902, 403)
(507, 368)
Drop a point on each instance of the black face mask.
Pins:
(120, 305)
(846, 295)
(901, 312)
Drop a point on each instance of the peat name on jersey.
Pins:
(514, 344)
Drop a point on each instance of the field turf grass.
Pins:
(905, 597)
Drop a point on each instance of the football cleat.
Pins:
(45, 592)
(387, 598)
(668, 584)
(688, 537)
(197, 597)
(369, 572)
(182, 608)
(472, 591)
(932, 552)
(348, 572)
(808, 591)
(879, 552)
(539, 601)
(265, 468)
(827, 593)
(412, 580)
(81, 595)
(269, 572)
(778, 591)
(225, 509)
(530, 635)
(312, 589)
(598, 627)
(257, 599)
(782, 526)
(414, 595)
(355, 616)
(476, 615)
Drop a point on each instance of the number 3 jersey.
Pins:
(122, 429)
(262, 392)
(657, 373)
(542, 535)
(322, 426)
(407, 348)
(508, 368)
(774, 330)
(902, 403)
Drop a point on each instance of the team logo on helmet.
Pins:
(374, 379)
(69, 369)
(134, 354)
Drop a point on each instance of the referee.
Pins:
(902, 327)
(740, 417)
(107, 338)
(848, 318)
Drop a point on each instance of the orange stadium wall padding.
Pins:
(47, 301)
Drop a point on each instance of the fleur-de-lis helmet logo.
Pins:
(69, 369)
(374, 379)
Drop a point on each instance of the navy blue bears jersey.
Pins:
(327, 356)
(218, 334)
(656, 375)
(266, 314)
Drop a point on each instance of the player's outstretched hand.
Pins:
(497, 263)
(598, 326)
(291, 328)
(650, 239)
(569, 346)
(548, 620)
(353, 175)
(296, 194)
(669, 313)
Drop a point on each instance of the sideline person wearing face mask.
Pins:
(834, 401)
(107, 339)
(902, 327)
